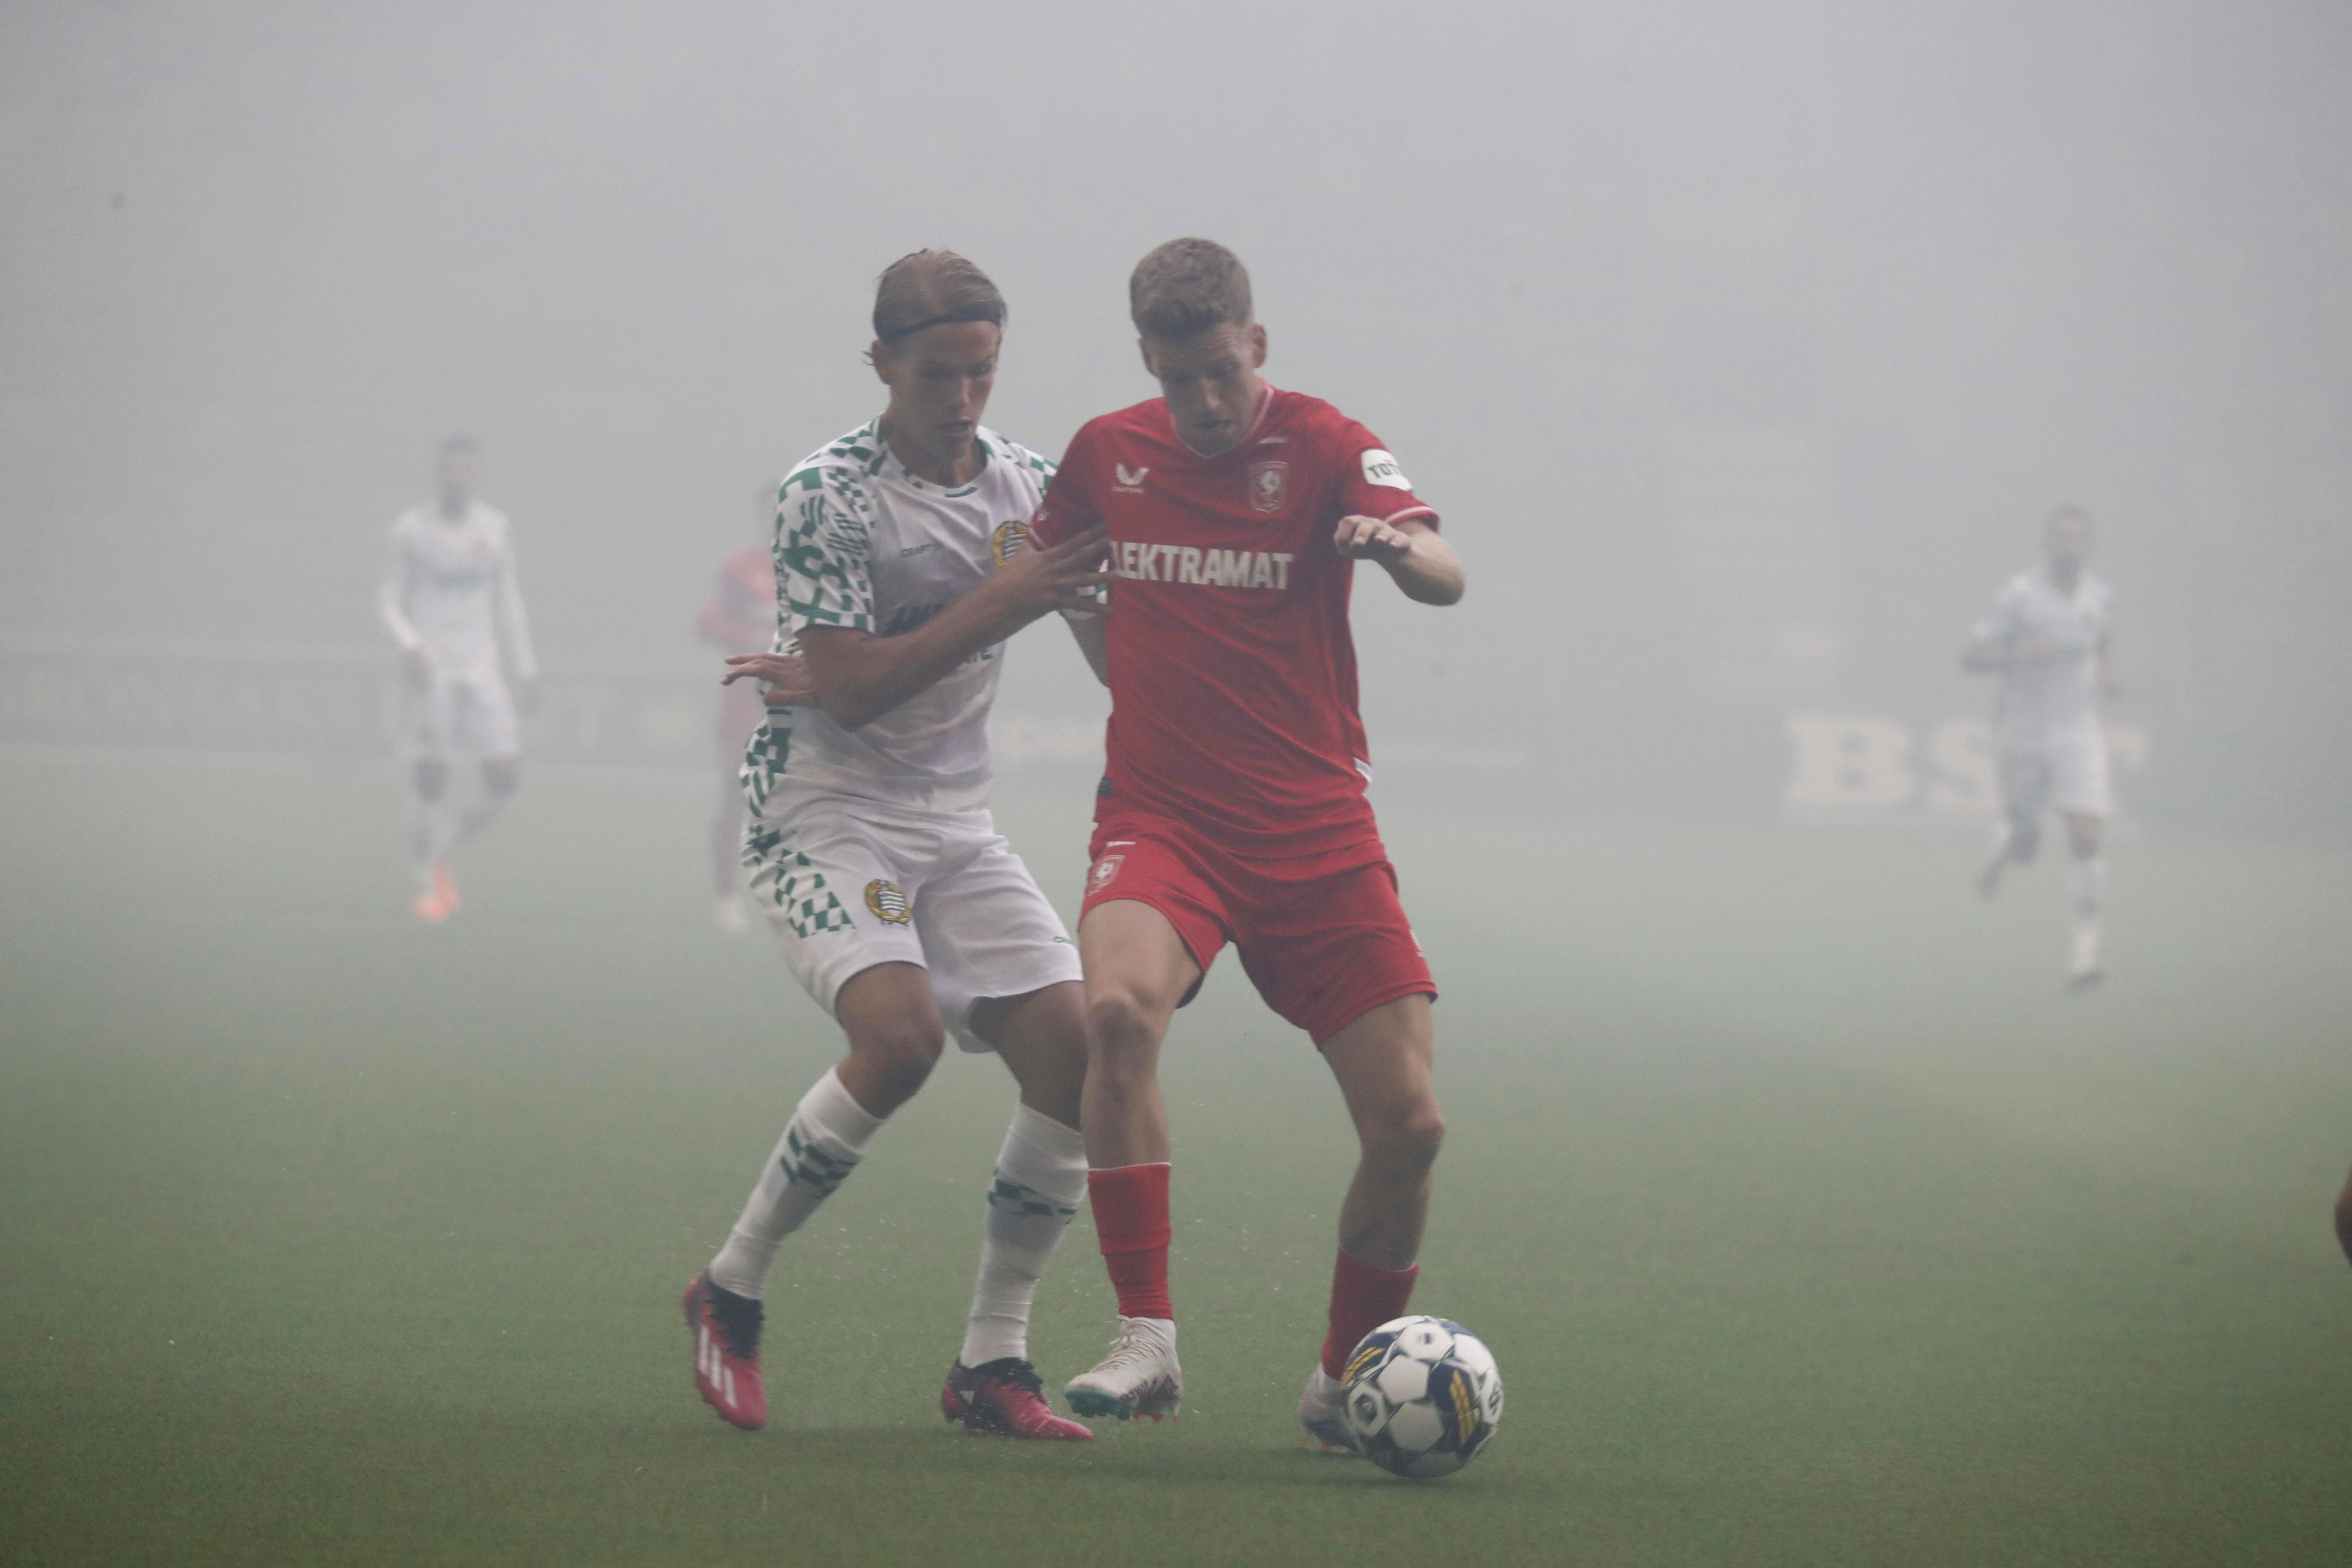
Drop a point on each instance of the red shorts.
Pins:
(1322, 938)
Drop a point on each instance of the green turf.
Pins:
(1811, 1221)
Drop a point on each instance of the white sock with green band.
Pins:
(1040, 1180)
(822, 1144)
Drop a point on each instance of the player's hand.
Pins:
(1064, 576)
(527, 695)
(784, 677)
(1369, 539)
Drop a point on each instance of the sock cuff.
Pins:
(1036, 1130)
(1353, 1273)
(1130, 1204)
(831, 1112)
(1041, 1154)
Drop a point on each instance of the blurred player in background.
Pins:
(2047, 639)
(900, 572)
(741, 617)
(451, 600)
(1233, 809)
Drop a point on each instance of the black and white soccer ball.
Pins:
(1421, 1396)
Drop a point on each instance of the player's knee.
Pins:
(432, 778)
(1124, 1023)
(501, 775)
(1408, 1140)
(902, 1053)
(2024, 841)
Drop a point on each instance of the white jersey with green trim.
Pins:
(2053, 690)
(863, 544)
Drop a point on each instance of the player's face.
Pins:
(1210, 380)
(2067, 541)
(940, 380)
(460, 471)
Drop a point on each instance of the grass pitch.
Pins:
(1811, 1221)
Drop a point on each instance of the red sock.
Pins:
(1363, 1298)
(1131, 1222)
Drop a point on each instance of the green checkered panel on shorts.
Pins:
(794, 882)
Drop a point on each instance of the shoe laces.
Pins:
(1020, 1374)
(1132, 1347)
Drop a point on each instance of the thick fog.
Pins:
(1743, 348)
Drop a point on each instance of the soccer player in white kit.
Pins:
(2047, 639)
(450, 600)
(900, 573)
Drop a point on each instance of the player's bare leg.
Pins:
(1137, 970)
(430, 833)
(2015, 841)
(1035, 1192)
(2086, 887)
(1383, 1063)
(895, 1035)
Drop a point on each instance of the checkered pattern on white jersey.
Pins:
(864, 543)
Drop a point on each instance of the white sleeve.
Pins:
(512, 620)
(391, 598)
(2000, 627)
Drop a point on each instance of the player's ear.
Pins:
(1148, 364)
(878, 354)
(1257, 345)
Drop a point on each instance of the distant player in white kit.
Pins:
(450, 599)
(899, 573)
(2046, 636)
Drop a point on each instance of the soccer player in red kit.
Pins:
(1234, 807)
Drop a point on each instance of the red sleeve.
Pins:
(1068, 507)
(1371, 484)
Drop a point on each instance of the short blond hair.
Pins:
(1188, 285)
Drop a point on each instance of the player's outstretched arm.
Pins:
(1424, 565)
(858, 677)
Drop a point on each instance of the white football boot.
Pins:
(1323, 1411)
(1139, 1377)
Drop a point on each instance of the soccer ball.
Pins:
(1421, 1396)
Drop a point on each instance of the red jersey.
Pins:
(1233, 670)
(740, 615)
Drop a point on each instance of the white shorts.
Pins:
(2066, 773)
(461, 712)
(848, 885)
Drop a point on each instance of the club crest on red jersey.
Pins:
(1269, 486)
(1104, 870)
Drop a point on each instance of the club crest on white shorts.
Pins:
(888, 904)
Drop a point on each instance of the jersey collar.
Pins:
(887, 466)
(1256, 424)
